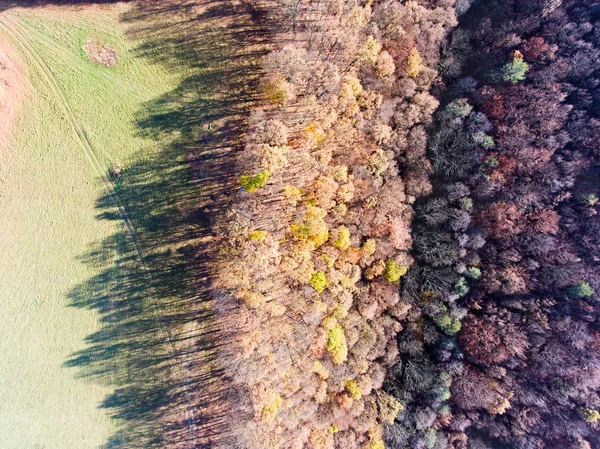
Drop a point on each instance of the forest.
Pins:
(408, 259)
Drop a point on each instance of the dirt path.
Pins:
(12, 28)
(12, 92)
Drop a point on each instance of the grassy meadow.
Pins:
(71, 287)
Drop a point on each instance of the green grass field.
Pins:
(70, 284)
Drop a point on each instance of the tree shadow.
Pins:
(156, 348)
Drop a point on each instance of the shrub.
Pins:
(318, 281)
(251, 183)
(459, 108)
(336, 344)
(393, 271)
(385, 66)
(430, 438)
(581, 290)
(277, 90)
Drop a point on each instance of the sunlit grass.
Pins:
(48, 222)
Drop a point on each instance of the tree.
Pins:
(581, 290)
(502, 219)
(393, 271)
(251, 183)
(514, 70)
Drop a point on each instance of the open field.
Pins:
(107, 337)
(62, 374)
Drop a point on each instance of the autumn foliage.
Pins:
(319, 235)
(411, 254)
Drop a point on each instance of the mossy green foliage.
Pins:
(588, 415)
(458, 108)
(251, 183)
(444, 394)
(353, 388)
(393, 271)
(293, 193)
(581, 290)
(336, 344)
(318, 281)
(514, 71)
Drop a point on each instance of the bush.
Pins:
(320, 370)
(251, 183)
(488, 142)
(589, 199)
(430, 438)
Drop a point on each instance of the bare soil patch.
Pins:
(100, 53)
(12, 90)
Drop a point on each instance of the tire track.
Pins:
(12, 29)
